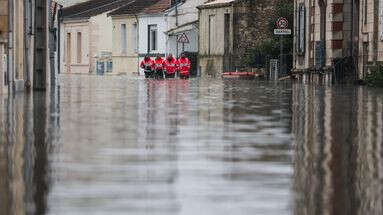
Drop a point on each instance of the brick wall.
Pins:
(251, 25)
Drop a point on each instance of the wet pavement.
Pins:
(125, 145)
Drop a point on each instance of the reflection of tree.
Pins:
(330, 133)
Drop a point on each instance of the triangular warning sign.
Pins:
(183, 38)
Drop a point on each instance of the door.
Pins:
(68, 53)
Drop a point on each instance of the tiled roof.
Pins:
(143, 7)
(93, 8)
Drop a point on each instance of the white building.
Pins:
(139, 29)
(152, 27)
(183, 19)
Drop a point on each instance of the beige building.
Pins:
(341, 37)
(125, 48)
(87, 36)
(227, 29)
(139, 28)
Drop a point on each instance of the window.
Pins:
(68, 56)
(227, 33)
(123, 38)
(211, 32)
(301, 29)
(79, 47)
(134, 37)
(152, 38)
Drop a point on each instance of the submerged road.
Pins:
(126, 145)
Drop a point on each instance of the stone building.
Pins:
(228, 28)
(25, 28)
(340, 37)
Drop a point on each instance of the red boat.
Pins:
(239, 75)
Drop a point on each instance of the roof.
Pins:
(216, 3)
(92, 8)
(182, 28)
(143, 7)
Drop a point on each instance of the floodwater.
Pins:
(125, 145)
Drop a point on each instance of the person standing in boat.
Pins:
(159, 67)
(148, 66)
(183, 64)
(170, 66)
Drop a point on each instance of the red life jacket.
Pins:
(147, 63)
(183, 65)
(158, 64)
(170, 66)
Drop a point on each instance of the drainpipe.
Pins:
(10, 48)
(176, 14)
(137, 44)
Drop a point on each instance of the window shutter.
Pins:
(302, 29)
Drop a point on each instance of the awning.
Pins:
(183, 28)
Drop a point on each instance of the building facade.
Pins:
(227, 29)
(183, 19)
(87, 38)
(341, 38)
(139, 29)
(25, 28)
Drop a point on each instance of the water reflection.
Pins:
(338, 158)
(24, 152)
(116, 145)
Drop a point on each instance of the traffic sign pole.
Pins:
(281, 67)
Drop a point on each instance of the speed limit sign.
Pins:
(282, 23)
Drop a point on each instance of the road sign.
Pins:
(183, 38)
(282, 31)
(282, 23)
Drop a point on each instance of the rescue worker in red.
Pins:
(170, 66)
(148, 66)
(159, 67)
(183, 65)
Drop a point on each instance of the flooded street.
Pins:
(126, 145)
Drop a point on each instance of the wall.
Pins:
(162, 40)
(146, 20)
(187, 13)
(251, 26)
(74, 27)
(212, 63)
(101, 38)
(126, 63)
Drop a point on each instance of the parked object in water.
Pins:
(245, 75)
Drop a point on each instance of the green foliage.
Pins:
(256, 57)
(375, 78)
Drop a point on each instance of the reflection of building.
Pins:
(345, 35)
(24, 148)
(338, 162)
(227, 28)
